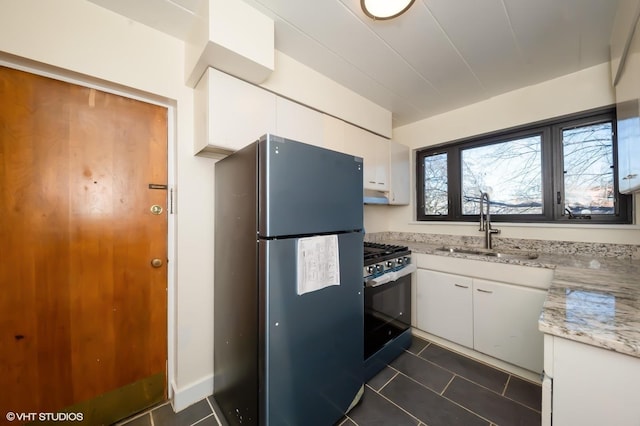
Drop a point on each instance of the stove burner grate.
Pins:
(376, 252)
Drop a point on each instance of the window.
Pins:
(435, 185)
(589, 186)
(559, 170)
(510, 172)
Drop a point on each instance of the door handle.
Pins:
(156, 263)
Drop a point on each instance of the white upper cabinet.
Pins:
(377, 173)
(297, 122)
(399, 169)
(629, 145)
(374, 150)
(333, 130)
(230, 113)
(625, 63)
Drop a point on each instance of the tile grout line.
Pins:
(454, 373)
(503, 396)
(509, 375)
(128, 420)
(443, 396)
(479, 361)
(425, 347)
(401, 408)
(202, 419)
(447, 385)
(350, 419)
(387, 382)
(479, 384)
(506, 385)
(213, 411)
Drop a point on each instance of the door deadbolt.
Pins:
(156, 263)
(156, 209)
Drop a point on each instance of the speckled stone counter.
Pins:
(597, 306)
(594, 297)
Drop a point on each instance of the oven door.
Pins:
(387, 313)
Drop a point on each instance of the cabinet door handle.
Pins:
(461, 286)
(631, 176)
(484, 291)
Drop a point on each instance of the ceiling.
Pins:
(438, 56)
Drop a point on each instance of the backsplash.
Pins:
(619, 251)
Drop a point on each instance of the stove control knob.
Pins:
(407, 260)
(400, 261)
(390, 263)
(370, 269)
(379, 268)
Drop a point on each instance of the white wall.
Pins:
(82, 42)
(79, 37)
(584, 90)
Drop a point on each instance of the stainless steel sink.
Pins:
(491, 253)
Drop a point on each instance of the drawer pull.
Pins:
(484, 291)
(461, 286)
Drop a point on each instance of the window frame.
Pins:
(552, 171)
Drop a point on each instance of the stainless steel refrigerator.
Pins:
(288, 302)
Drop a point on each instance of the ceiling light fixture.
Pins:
(385, 9)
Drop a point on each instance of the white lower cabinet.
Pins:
(505, 323)
(590, 386)
(497, 319)
(445, 306)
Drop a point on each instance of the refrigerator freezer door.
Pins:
(305, 189)
(313, 345)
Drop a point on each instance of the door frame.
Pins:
(55, 73)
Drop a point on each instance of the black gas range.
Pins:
(387, 294)
(382, 258)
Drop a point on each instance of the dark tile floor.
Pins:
(427, 385)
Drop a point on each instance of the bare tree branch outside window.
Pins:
(511, 172)
(588, 169)
(435, 185)
(560, 170)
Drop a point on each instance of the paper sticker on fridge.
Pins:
(318, 263)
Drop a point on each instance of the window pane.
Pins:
(588, 169)
(435, 185)
(511, 172)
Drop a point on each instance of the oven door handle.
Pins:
(391, 276)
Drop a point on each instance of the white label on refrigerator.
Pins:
(318, 263)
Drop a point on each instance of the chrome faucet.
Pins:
(485, 221)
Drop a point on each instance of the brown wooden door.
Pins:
(83, 313)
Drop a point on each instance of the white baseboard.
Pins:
(192, 393)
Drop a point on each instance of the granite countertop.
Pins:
(597, 306)
(593, 300)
